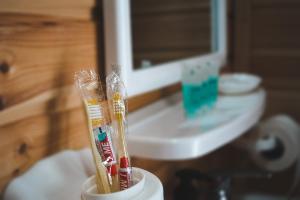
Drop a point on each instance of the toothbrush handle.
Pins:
(122, 144)
(101, 177)
(124, 170)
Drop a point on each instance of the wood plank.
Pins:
(280, 39)
(79, 9)
(44, 43)
(283, 102)
(288, 53)
(187, 30)
(150, 7)
(274, 3)
(42, 56)
(26, 141)
(242, 30)
(280, 70)
(272, 66)
(276, 16)
(152, 22)
(275, 24)
(281, 83)
(54, 100)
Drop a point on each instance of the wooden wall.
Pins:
(168, 30)
(266, 43)
(42, 44)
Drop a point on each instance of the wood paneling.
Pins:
(169, 30)
(31, 139)
(43, 53)
(53, 100)
(284, 101)
(267, 44)
(242, 28)
(43, 43)
(150, 7)
(79, 9)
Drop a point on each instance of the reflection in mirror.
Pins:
(169, 30)
(198, 35)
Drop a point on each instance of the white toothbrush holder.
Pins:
(146, 187)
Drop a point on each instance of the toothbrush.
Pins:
(102, 138)
(99, 134)
(119, 114)
(116, 99)
(101, 176)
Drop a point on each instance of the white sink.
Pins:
(161, 131)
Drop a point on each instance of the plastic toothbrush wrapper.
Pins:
(87, 81)
(117, 100)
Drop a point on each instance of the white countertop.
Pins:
(161, 131)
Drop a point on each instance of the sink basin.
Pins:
(161, 130)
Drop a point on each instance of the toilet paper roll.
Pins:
(277, 145)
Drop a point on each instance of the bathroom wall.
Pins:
(169, 30)
(265, 40)
(42, 43)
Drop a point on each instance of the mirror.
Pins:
(152, 40)
(164, 31)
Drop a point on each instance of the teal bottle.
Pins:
(192, 100)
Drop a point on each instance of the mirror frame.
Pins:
(118, 48)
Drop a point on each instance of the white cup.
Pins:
(89, 189)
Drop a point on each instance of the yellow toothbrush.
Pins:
(90, 89)
(116, 99)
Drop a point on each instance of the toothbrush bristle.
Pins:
(118, 104)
